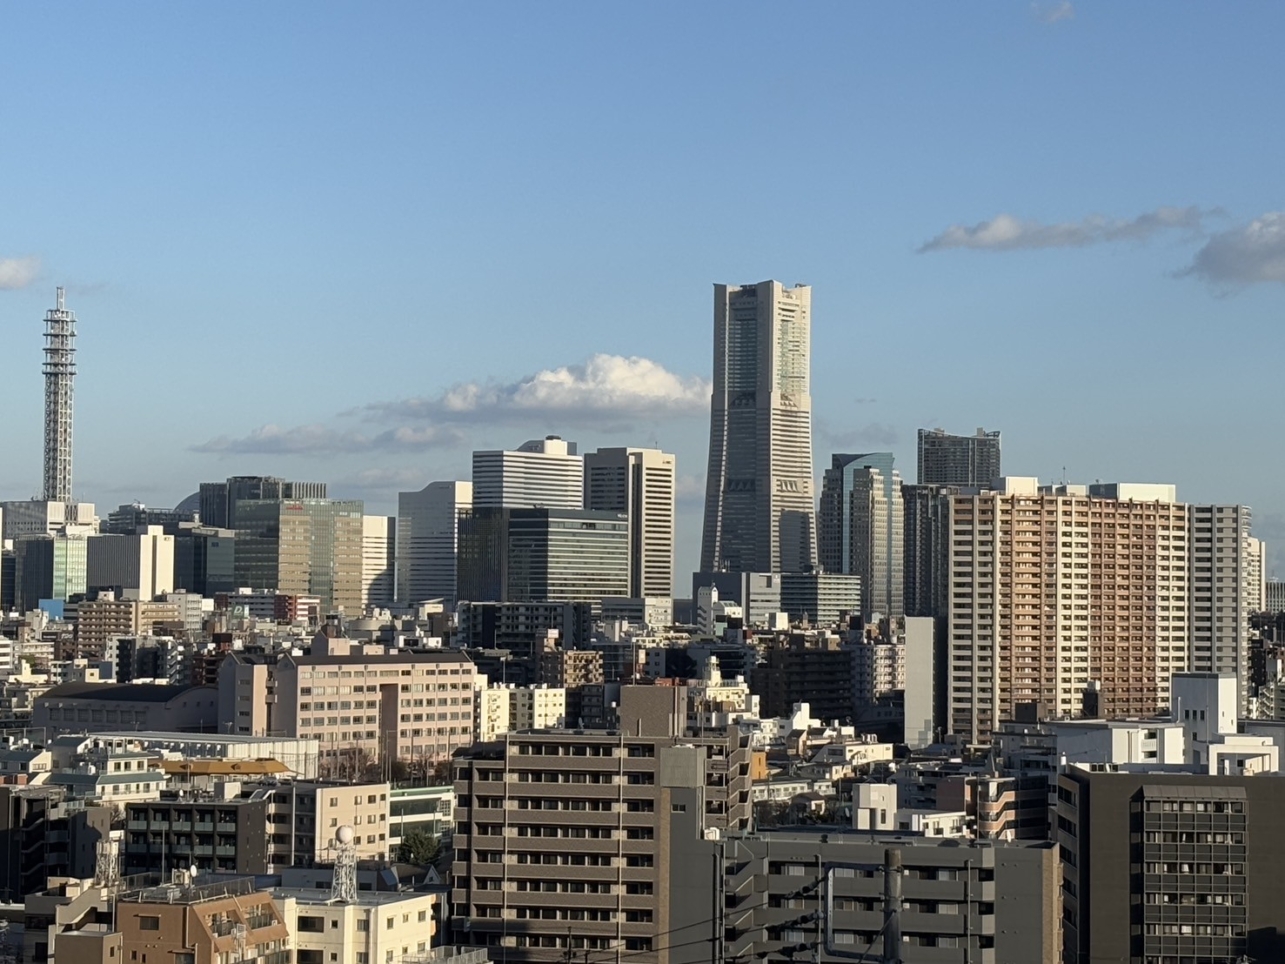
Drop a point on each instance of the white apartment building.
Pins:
(541, 474)
(378, 560)
(428, 526)
(503, 708)
(641, 483)
(376, 927)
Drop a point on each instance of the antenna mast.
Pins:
(60, 372)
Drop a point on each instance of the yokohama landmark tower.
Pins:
(759, 506)
(60, 371)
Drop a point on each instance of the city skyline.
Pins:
(1012, 282)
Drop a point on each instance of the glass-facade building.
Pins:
(302, 546)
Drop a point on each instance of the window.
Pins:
(363, 924)
(423, 916)
(312, 925)
(389, 926)
(148, 923)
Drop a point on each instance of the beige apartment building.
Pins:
(100, 621)
(1064, 602)
(361, 700)
(562, 837)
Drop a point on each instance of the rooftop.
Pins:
(365, 898)
(122, 692)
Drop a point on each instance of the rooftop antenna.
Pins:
(343, 885)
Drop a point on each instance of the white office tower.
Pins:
(142, 563)
(428, 540)
(641, 484)
(542, 474)
(759, 503)
(378, 558)
(1224, 584)
(60, 373)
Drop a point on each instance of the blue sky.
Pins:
(343, 241)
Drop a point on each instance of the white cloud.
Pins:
(607, 391)
(1245, 255)
(321, 440)
(604, 386)
(1054, 12)
(1004, 232)
(18, 272)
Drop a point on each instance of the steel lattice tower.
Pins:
(60, 371)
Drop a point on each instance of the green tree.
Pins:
(418, 847)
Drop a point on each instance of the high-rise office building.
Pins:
(378, 559)
(307, 547)
(1064, 603)
(219, 500)
(1225, 576)
(142, 562)
(428, 526)
(33, 517)
(966, 460)
(543, 555)
(204, 559)
(759, 501)
(860, 526)
(60, 373)
(541, 474)
(641, 484)
(49, 566)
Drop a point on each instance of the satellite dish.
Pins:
(344, 834)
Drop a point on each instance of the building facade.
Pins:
(541, 474)
(759, 500)
(378, 560)
(303, 547)
(1063, 604)
(562, 838)
(428, 523)
(964, 460)
(641, 484)
(1164, 867)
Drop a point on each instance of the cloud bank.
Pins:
(1004, 232)
(611, 386)
(17, 273)
(1245, 255)
(605, 390)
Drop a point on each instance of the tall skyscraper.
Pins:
(541, 474)
(759, 501)
(964, 460)
(641, 484)
(60, 372)
(926, 548)
(859, 528)
(428, 531)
